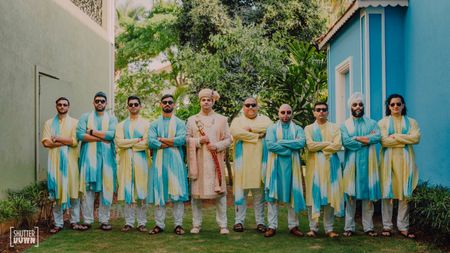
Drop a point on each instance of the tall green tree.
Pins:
(303, 84)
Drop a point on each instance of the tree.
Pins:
(240, 63)
(301, 86)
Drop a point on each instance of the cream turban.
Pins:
(209, 93)
(356, 97)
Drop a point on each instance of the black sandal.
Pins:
(408, 234)
(261, 228)
(156, 230)
(238, 227)
(78, 227)
(347, 233)
(386, 233)
(126, 228)
(142, 229)
(105, 227)
(179, 230)
(371, 233)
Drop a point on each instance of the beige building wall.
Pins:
(48, 48)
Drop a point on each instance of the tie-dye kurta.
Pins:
(323, 178)
(361, 177)
(63, 175)
(98, 159)
(398, 171)
(250, 154)
(202, 170)
(168, 174)
(283, 181)
(132, 172)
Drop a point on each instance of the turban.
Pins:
(209, 93)
(356, 97)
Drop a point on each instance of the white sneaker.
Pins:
(195, 230)
(224, 231)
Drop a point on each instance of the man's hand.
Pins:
(211, 147)
(262, 135)
(363, 139)
(204, 139)
(163, 145)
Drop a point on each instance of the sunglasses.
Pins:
(321, 109)
(285, 112)
(250, 105)
(167, 102)
(62, 105)
(134, 105)
(393, 104)
(100, 101)
(357, 104)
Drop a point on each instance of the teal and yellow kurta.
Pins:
(250, 154)
(132, 173)
(168, 174)
(98, 159)
(361, 177)
(283, 181)
(323, 178)
(398, 171)
(62, 166)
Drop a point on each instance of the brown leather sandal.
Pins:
(332, 234)
(261, 228)
(55, 230)
(126, 228)
(142, 229)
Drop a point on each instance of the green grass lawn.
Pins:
(209, 239)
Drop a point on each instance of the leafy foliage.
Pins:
(303, 84)
(430, 212)
(240, 63)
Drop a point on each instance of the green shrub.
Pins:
(6, 210)
(431, 210)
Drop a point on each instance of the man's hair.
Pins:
(100, 94)
(62, 98)
(167, 96)
(388, 101)
(320, 103)
(133, 98)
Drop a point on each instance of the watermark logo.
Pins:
(24, 237)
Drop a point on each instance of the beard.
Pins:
(167, 110)
(100, 109)
(358, 114)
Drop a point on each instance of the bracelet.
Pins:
(90, 132)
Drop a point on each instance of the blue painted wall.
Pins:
(345, 44)
(427, 82)
(394, 45)
(375, 52)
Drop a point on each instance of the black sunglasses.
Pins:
(250, 105)
(321, 109)
(62, 105)
(100, 101)
(398, 104)
(167, 102)
(356, 104)
(285, 112)
(134, 105)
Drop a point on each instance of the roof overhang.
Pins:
(351, 10)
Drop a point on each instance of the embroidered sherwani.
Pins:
(398, 171)
(250, 159)
(202, 169)
(323, 178)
